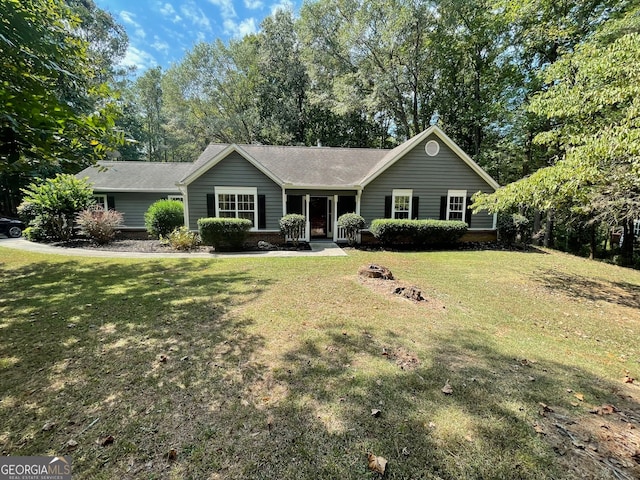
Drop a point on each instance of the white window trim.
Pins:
(180, 198)
(457, 193)
(238, 191)
(102, 202)
(401, 193)
(432, 148)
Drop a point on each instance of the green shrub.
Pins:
(98, 224)
(163, 217)
(52, 205)
(418, 233)
(34, 233)
(292, 226)
(513, 227)
(182, 239)
(352, 223)
(224, 233)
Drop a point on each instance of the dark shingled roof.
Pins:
(136, 176)
(306, 166)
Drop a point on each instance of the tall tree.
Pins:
(372, 58)
(106, 39)
(148, 88)
(593, 103)
(54, 117)
(283, 82)
(211, 93)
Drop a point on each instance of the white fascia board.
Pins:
(136, 190)
(221, 156)
(296, 186)
(412, 142)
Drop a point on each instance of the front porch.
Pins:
(322, 210)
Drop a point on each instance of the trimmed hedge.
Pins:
(224, 233)
(352, 224)
(163, 217)
(292, 225)
(418, 233)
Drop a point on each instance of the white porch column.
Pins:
(335, 218)
(307, 226)
(284, 202)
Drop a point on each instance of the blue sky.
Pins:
(162, 31)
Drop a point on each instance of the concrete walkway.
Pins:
(318, 249)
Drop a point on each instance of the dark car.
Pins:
(11, 227)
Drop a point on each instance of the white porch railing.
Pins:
(340, 234)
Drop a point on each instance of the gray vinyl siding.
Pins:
(234, 171)
(430, 178)
(133, 205)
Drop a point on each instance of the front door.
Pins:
(318, 217)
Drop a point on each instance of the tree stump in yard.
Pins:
(375, 271)
(412, 293)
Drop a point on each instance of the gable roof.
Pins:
(299, 166)
(306, 167)
(397, 153)
(135, 176)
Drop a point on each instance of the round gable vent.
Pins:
(432, 148)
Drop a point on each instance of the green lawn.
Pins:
(269, 368)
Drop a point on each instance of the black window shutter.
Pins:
(443, 208)
(262, 212)
(111, 203)
(467, 215)
(211, 210)
(415, 204)
(387, 206)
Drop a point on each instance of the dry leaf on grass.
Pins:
(71, 445)
(579, 396)
(605, 409)
(375, 412)
(49, 426)
(539, 429)
(172, 454)
(447, 389)
(377, 464)
(108, 440)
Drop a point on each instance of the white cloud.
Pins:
(160, 45)
(195, 15)
(226, 8)
(168, 11)
(253, 4)
(239, 30)
(281, 5)
(138, 58)
(129, 19)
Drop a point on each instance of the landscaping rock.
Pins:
(262, 245)
(375, 271)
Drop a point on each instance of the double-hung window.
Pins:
(401, 204)
(101, 201)
(237, 202)
(456, 205)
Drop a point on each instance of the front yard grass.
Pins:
(270, 368)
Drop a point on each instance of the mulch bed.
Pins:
(151, 246)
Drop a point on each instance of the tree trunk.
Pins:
(537, 225)
(593, 246)
(548, 232)
(626, 249)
